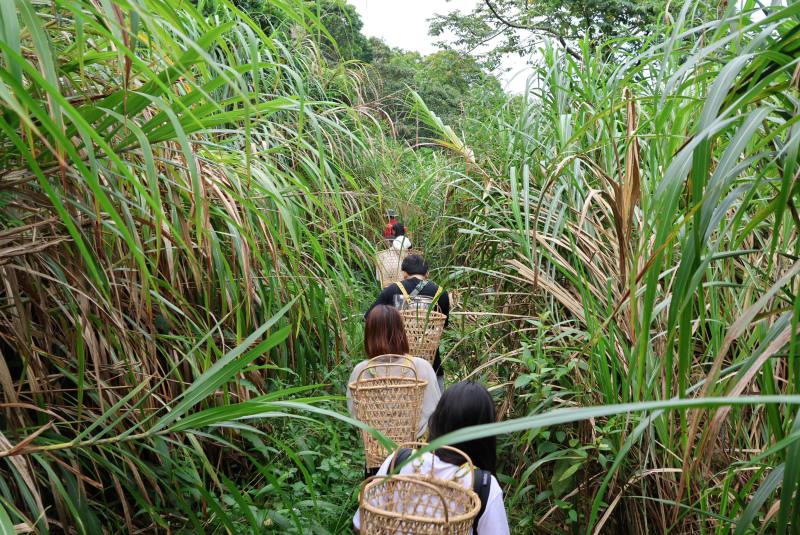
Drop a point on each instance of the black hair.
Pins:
(398, 229)
(462, 405)
(414, 265)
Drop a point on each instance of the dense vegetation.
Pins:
(497, 27)
(189, 198)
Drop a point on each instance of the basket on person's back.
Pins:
(421, 497)
(388, 263)
(423, 323)
(419, 503)
(387, 396)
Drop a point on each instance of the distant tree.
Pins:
(452, 84)
(393, 70)
(340, 19)
(515, 26)
(344, 24)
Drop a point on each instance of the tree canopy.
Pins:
(516, 26)
(344, 25)
(450, 82)
(344, 39)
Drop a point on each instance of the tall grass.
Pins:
(176, 210)
(630, 228)
(183, 209)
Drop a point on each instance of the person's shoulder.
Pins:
(357, 369)
(421, 464)
(391, 289)
(495, 518)
(495, 506)
(495, 490)
(422, 365)
(429, 458)
(432, 288)
(408, 284)
(384, 469)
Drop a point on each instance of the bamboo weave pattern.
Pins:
(389, 262)
(390, 403)
(424, 330)
(417, 504)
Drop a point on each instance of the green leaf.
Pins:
(227, 367)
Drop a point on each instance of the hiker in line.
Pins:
(401, 240)
(385, 341)
(463, 405)
(415, 283)
(398, 228)
(388, 230)
(395, 232)
(401, 243)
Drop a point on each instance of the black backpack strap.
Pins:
(481, 484)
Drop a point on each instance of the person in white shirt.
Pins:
(385, 342)
(462, 405)
(401, 242)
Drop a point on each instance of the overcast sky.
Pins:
(404, 24)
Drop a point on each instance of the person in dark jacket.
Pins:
(415, 270)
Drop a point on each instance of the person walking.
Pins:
(415, 282)
(401, 242)
(463, 405)
(385, 342)
(388, 230)
(395, 232)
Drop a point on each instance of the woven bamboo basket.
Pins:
(388, 263)
(390, 401)
(418, 504)
(424, 329)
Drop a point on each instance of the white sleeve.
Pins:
(494, 520)
(430, 398)
(382, 471)
(353, 376)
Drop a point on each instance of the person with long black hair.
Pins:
(462, 405)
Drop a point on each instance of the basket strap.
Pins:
(420, 286)
(404, 363)
(403, 291)
(437, 294)
(416, 291)
(481, 484)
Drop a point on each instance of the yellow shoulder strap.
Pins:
(436, 296)
(403, 290)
